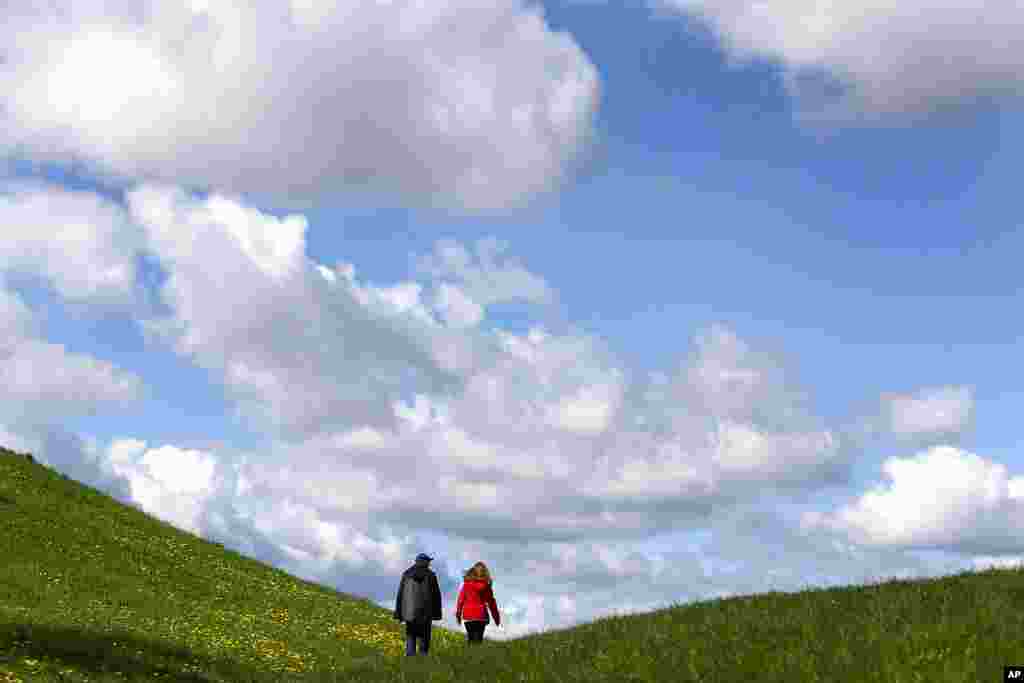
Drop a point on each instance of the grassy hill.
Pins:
(93, 590)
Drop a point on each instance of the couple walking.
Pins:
(419, 602)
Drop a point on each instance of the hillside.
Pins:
(93, 590)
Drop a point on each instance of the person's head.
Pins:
(479, 572)
(423, 559)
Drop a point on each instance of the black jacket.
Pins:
(420, 572)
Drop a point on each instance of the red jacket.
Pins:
(474, 599)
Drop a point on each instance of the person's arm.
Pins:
(458, 605)
(436, 588)
(493, 605)
(398, 601)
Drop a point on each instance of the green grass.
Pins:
(92, 590)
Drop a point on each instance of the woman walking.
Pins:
(475, 598)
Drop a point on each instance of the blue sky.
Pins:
(714, 231)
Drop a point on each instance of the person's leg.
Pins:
(474, 631)
(426, 639)
(410, 640)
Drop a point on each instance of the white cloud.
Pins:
(503, 454)
(741, 449)
(16, 321)
(122, 452)
(588, 411)
(982, 563)
(697, 463)
(338, 545)
(728, 420)
(671, 474)
(264, 245)
(728, 379)
(540, 386)
(539, 452)
(277, 248)
(170, 483)
(890, 58)
(457, 309)
(363, 437)
(484, 278)
(180, 471)
(42, 383)
(42, 377)
(943, 497)
(308, 348)
(931, 411)
(84, 245)
(298, 349)
(400, 96)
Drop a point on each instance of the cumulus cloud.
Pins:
(751, 548)
(588, 411)
(935, 411)
(43, 383)
(477, 106)
(729, 419)
(534, 444)
(943, 497)
(40, 377)
(393, 421)
(847, 60)
(457, 309)
(211, 492)
(299, 344)
(171, 483)
(730, 379)
(743, 549)
(16, 321)
(982, 563)
(310, 347)
(322, 544)
(82, 244)
(526, 434)
(539, 385)
(484, 277)
(208, 493)
(466, 283)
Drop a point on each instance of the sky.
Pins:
(640, 304)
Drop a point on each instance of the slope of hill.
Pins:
(93, 590)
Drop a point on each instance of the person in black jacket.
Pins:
(418, 604)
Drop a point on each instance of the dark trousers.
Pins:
(475, 631)
(417, 633)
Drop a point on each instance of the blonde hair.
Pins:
(479, 571)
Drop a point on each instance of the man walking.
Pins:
(418, 603)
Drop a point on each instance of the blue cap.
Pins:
(423, 557)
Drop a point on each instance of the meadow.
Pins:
(94, 590)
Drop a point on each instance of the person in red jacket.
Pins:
(475, 598)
